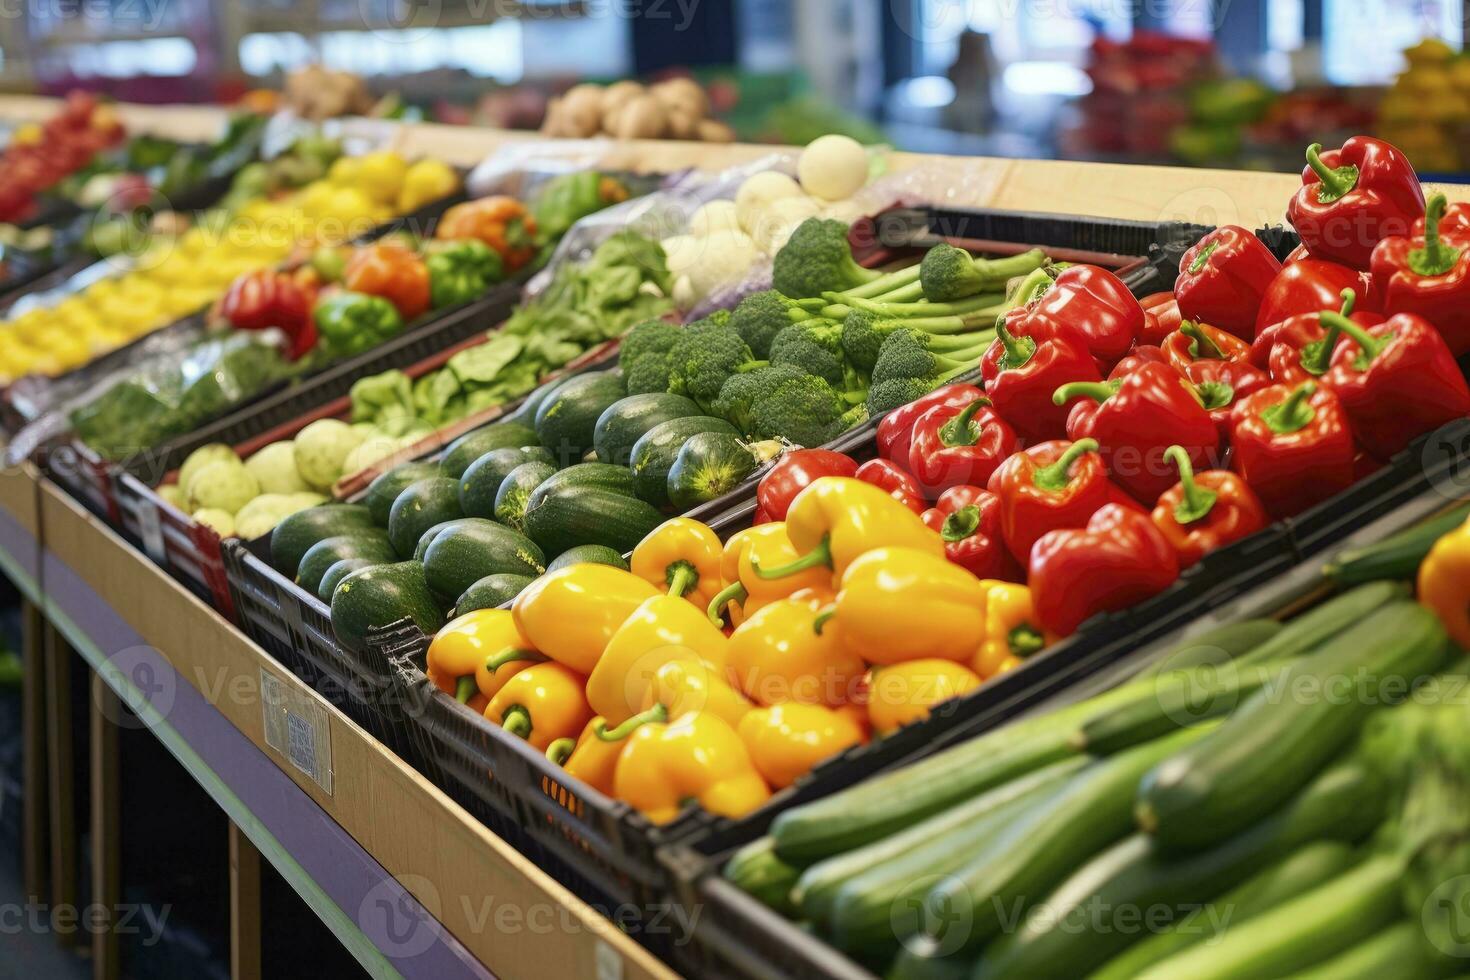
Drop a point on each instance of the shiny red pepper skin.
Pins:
(1407, 384)
(793, 473)
(1201, 342)
(1119, 559)
(1456, 221)
(1089, 303)
(1310, 286)
(888, 475)
(1221, 384)
(1137, 357)
(1020, 390)
(1311, 460)
(896, 429)
(1223, 278)
(1161, 317)
(1374, 194)
(968, 519)
(1029, 509)
(952, 445)
(1428, 277)
(1206, 511)
(1152, 409)
(1279, 348)
(266, 298)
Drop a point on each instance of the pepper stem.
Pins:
(961, 430)
(1201, 345)
(1293, 414)
(1336, 181)
(1435, 258)
(681, 577)
(1316, 357)
(464, 689)
(1057, 475)
(517, 720)
(1018, 349)
(1098, 391)
(961, 524)
(1024, 640)
(1369, 346)
(1030, 289)
(656, 715)
(734, 592)
(558, 751)
(1198, 501)
(820, 622)
(818, 556)
(1215, 394)
(1203, 258)
(511, 655)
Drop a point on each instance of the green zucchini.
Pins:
(340, 570)
(565, 422)
(1300, 933)
(515, 492)
(491, 592)
(362, 543)
(582, 554)
(1310, 866)
(1343, 804)
(654, 453)
(387, 486)
(481, 482)
(472, 445)
(466, 552)
(525, 412)
(1396, 556)
(378, 596)
(1322, 622)
(708, 466)
(923, 960)
(1286, 732)
(757, 870)
(1032, 853)
(625, 421)
(427, 538)
(419, 507)
(572, 515)
(299, 531)
(1216, 646)
(1178, 700)
(586, 476)
(1398, 952)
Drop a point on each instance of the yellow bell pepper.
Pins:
(904, 693)
(838, 519)
(744, 591)
(426, 181)
(572, 613)
(777, 656)
(900, 604)
(1011, 631)
(699, 757)
(683, 557)
(1444, 583)
(786, 740)
(661, 629)
(588, 758)
(479, 650)
(541, 704)
(686, 685)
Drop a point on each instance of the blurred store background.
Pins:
(1236, 83)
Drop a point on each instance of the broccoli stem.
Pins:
(885, 282)
(1002, 270)
(945, 343)
(992, 302)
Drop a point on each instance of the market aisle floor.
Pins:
(30, 955)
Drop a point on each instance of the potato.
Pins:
(644, 117)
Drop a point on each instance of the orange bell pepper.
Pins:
(900, 604)
(541, 704)
(786, 740)
(390, 270)
(777, 655)
(1011, 631)
(571, 614)
(479, 650)
(682, 556)
(745, 591)
(501, 222)
(696, 757)
(904, 693)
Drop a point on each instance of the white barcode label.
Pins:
(297, 728)
(609, 962)
(151, 531)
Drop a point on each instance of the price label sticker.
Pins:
(150, 529)
(609, 962)
(297, 728)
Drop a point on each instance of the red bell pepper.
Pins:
(1048, 486)
(265, 298)
(901, 486)
(1137, 358)
(1294, 446)
(1429, 276)
(1160, 317)
(1353, 198)
(1455, 222)
(953, 446)
(1119, 559)
(1223, 278)
(1205, 511)
(793, 473)
(896, 430)
(1220, 384)
(1296, 255)
(1396, 381)
(1089, 303)
(1021, 372)
(1201, 342)
(1299, 348)
(968, 519)
(1136, 421)
(1309, 286)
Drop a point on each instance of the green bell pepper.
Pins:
(350, 323)
(462, 270)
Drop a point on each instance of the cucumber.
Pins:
(515, 492)
(1396, 556)
(371, 544)
(481, 482)
(708, 466)
(924, 961)
(756, 870)
(1216, 646)
(1032, 853)
(472, 445)
(1303, 932)
(654, 453)
(1397, 952)
(1286, 732)
(387, 486)
(586, 476)
(565, 422)
(467, 551)
(1178, 699)
(340, 570)
(299, 531)
(419, 507)
(625, 421)
(1304, 870)
(1343, 804)
(595, 554)
(1325, 621)
(378, 596)
(572, 515)
(491, 592)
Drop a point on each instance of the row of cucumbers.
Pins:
(1118, 836)
(582, 471)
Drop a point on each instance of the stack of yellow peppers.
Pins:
(847, 621)
(1426, 111)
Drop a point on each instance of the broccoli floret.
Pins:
(648, 337)
(885, 396)
(905, 354)
(760, 316)
(949, 273)
(863, 335)
(849, 419)
(817, 258)
(742, 392)
(801, 409)
(705, 356)
(815, 346)
(647, 375)
(719, 318)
